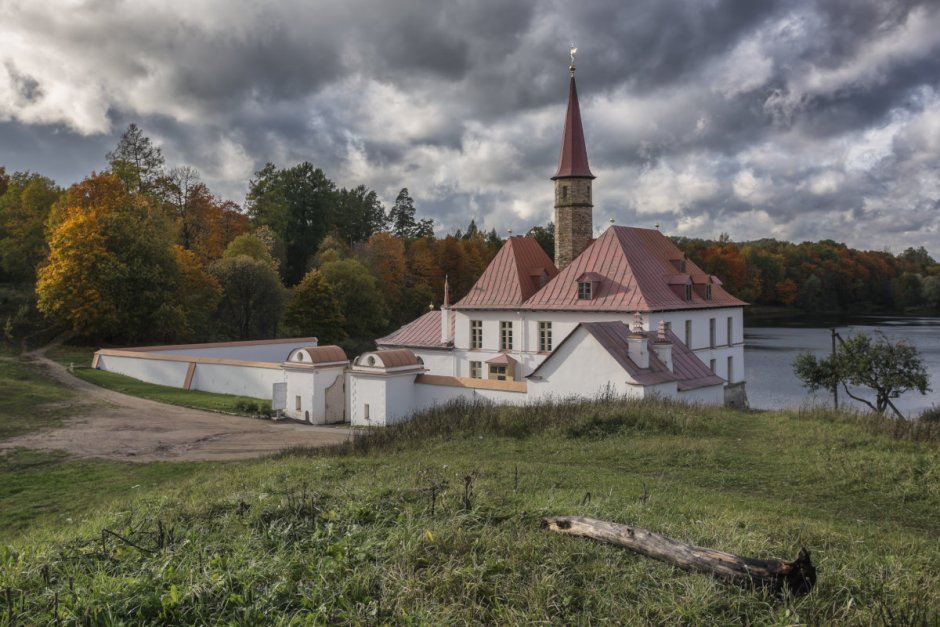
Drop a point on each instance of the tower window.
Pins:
(584, 290)
(564, 191)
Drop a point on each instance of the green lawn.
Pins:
(25, 398)
(349, 535)
(80, 358)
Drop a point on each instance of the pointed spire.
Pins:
(573, 160)
(446, 293)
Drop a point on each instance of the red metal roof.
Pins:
(423, 332)
(518, 271)
(573, 160)
(688, 370)
(637, 275)
(397, 357)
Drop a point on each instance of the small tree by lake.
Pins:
(887, 368)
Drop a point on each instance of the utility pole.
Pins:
(835, 388)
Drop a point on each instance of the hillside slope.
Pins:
(354, 535)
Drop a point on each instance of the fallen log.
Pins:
(799, 575)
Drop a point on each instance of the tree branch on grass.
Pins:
(799, 575)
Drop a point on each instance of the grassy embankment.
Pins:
(353, 535)
(80, 360)
(48, 488)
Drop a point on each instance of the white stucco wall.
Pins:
(169, 373)
(581, 367)
(273, 353)
(391, 398)
(712, 395)
(249, 381)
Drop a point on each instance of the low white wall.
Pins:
(238, 380)
(274, 353)
(169, 373)
(711, 395)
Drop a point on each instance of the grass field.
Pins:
(352, 535)
(22, 392)
(80, 360)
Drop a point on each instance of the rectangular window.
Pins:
(505, 335)
(708, 292)
(712, 364)
(545, 337)
(730, 376)
(365, 411)
(476, 334)
(584, 290)
(688, 333)
(688, 292)
(297, 403)
(498, 373)
(711, 332)
(730, 330)
(476, 370)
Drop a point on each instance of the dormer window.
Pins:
(708, 291)
(688, 291)
(584, 290)
(682, 265)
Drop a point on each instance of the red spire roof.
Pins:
(519, 270)
(573, 161)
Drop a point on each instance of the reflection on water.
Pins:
(770, 350)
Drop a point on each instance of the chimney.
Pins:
(637, 349)
(662, 346)
(445, 315)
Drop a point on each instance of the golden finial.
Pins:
(573, 51)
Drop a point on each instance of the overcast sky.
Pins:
(795, 119)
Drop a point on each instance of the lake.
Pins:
(771, 346)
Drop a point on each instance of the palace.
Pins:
(624, 314)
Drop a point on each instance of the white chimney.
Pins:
(637, 350)
(662, 346)
(445, 315)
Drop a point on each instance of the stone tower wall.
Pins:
(574, 219)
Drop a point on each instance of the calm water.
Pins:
(770, 350)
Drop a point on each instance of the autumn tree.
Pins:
(887, 368)
(384, 255)
(136, 162)
(313, 310)
(299, 205)
(250, 245)
(112, 272)
(24, 211)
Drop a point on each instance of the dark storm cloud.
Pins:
(797, 119)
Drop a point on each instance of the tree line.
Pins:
(823, 276)
(142, 253)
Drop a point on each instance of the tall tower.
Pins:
(574, 219)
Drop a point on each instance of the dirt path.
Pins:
(108, 424)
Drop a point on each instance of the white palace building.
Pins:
(624, 314)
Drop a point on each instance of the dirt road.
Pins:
(108, 424)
